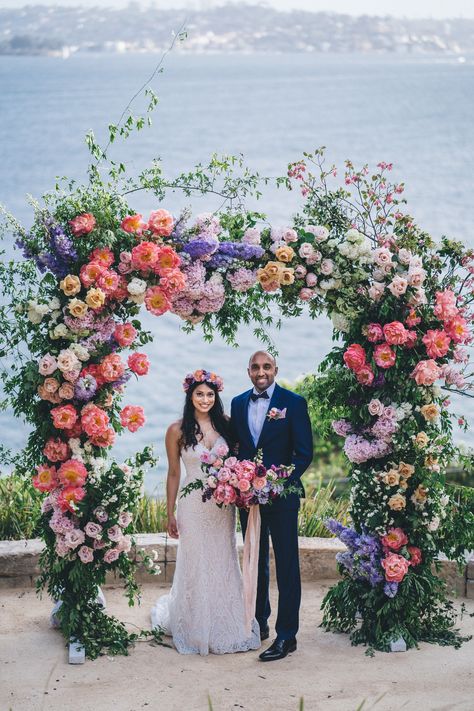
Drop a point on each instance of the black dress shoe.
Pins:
(264, 632)
(278, 650)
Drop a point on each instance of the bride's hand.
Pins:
(172, 527)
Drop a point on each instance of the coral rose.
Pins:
(144, 256)
(103, 256)
(133, 224)
(412, 319)
(89, 273)
(125, 334)
(384, 356)
(82, 224)
(69, 497)
(415, 555)
(437, 343)
(161, 223)
(458, 330)
(108, 281)
(354, 357)
(167, 260)
(395, 566)
(70, 285)
(56, 450)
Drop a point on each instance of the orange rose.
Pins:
(391, 478)
(430, 412)
(287, 277)
(285, 253)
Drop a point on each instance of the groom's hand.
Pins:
(172, 527)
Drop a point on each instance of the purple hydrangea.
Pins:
(199, 248)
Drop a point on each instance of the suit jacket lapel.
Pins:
(245, 417)
(276, 401)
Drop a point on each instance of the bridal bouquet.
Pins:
(243, 483)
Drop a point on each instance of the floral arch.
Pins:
(401, 311)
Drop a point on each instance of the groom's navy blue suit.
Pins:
(283, 441)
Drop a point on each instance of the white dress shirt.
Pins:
(258, 411)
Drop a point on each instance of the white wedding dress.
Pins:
(204, 611)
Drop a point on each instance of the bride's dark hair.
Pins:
(190, 427)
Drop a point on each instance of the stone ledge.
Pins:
(19, 562)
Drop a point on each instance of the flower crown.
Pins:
(203, 376)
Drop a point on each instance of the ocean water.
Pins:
(416, 113)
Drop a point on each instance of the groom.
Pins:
(284, 439)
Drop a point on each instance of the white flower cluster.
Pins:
(356, 247)
(36, 311)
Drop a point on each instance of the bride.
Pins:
(204, 611)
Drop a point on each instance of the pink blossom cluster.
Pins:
(242, 279)
(201, 295)
(359, 449)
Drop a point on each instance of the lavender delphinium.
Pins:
(390, 589)
(199, 248)
(362, 559)
(62, 244)
(85, 388)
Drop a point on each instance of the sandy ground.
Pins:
(326, 671)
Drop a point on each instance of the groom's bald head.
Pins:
(262, 370)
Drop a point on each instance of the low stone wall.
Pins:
(19, 562)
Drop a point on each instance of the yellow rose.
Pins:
(77, 308)
(406, 470)
(285, 253)
(287, 277)
(391, 478)
(420, 494)
(397, 502)
(430, 412)
(95, 298)
(421, 440)
(71, 285)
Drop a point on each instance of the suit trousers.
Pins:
(282, 526)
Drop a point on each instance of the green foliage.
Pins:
(20, 509)
(319, 505)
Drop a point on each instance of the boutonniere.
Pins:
(276, 414)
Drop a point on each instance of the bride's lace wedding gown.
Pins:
(204, 611)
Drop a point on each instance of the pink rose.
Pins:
(375, 407)
(416, 276)
(383, 256)
(222, 450)
(327, 266)
(111, 556)
(426, 372)
(396, 567)
(398, 286)
(86, 554)
(300, 271)
(311, 279)
(93, 530)
(101, 514)
(244, 485)
(306, 294)
(354, 357)
(374, 333)
(376, 291)
(306, 250)
(82, 224)
(394, 539)
(395, 333)
(114, 533)
(437, 343)
(445, 308)
(125, 518)
(384, 356)
(47, 365)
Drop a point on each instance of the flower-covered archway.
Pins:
(401, 312)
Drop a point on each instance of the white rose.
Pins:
(398, 286)
(34, 316)
(136, 287)
(378, 274)
(54, 304)
(433, 525)
(416, 261)
(81, 352)
(416, 276)
(340, 322)
(327, 284)
(60, 331)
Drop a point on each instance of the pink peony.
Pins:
(458, 330)
(222, 450)
(111, 368)
(354, 357)
(300, 271)
(108, 281)
(156, 301)
(426, 372)
(82, 224)
(103, 439)
(56, 450)
(445, 308)
(384, 356)
(168, 260)
(86, 554)
(374, 332)
(396, 567)
(133, 224)
(144, 256)
(47, 365)
(175, 281)
(94, 420)
(161, 223)
(311, 279)
(89, 273)
(412, 319)
(224, 494)
(125, 334)
(365, 375)
(138, 363)
(395, 333)
(64, 417)
(437, 343)
(394, 539)
(69, 497)
(103, 256)
(46, 478)
(72, 473)
(244, 485)
(132, 417)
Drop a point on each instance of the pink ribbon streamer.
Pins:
(250, 566)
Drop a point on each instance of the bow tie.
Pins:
(263, 395)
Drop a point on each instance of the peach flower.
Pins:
(69, 497)
(72, 473)
(395, 566)
(70, 285)
(133, 224)
(138, 363)
(167, 260)
(426, 372)
(82, 224)
(144, 256)
(285, 253)
(161, 223)
(397, 502)
(103, 256)
(77, 308)
(95, 298)
(66, 391)
(437, 343)
(94, 420)
(64, 417)
(111, 368)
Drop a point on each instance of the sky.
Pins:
(398, 8)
